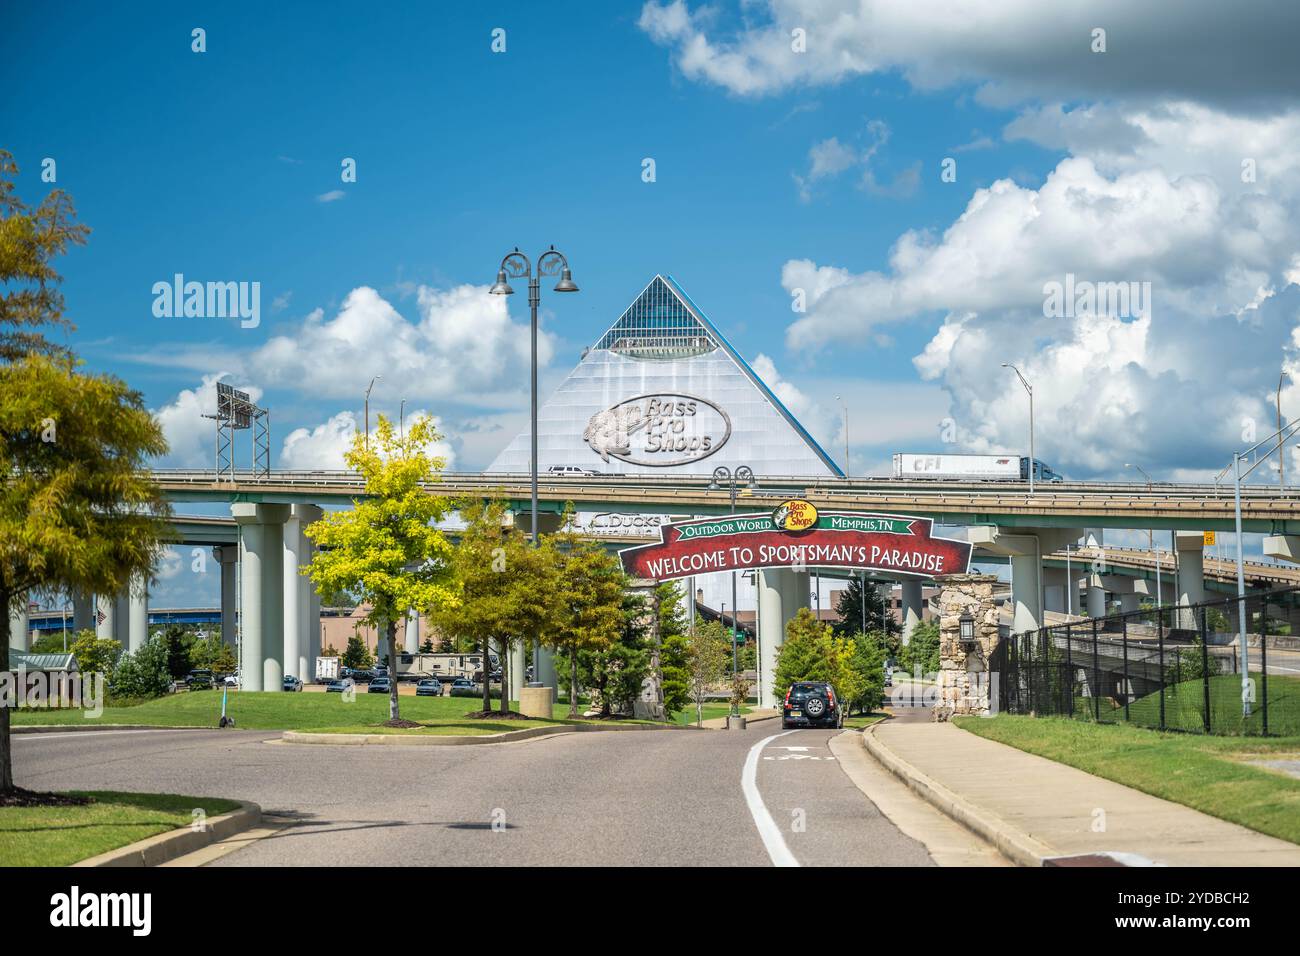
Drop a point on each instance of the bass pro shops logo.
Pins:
(794, 515)
(658, 430)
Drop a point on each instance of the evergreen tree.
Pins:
(877, 619)
(922, 651)
(588, 600)
(357, 655)
(617, 671)
(674, 649)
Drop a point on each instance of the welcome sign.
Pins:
(859, 541)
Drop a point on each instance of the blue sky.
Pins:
(211, 164)
(1167, 154)
(776, 172)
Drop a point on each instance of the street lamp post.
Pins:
(368, 388)
(516, 265)
(1237, 475)
(742, 477)
(1030, 389)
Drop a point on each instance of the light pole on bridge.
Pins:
(1033, 462)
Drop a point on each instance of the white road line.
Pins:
(768, 831)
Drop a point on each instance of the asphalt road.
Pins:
(614, 798)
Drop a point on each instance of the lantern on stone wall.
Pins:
(967, 634)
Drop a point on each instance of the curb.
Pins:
(413, 740)
(168, 846)
(1017, 846)
(90, 728)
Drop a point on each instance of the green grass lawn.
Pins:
(309, 710)
(57, 836)
(859, 721)
(1185, 707)
(711, 711)
(1206, 773)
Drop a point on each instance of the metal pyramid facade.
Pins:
(662, 392)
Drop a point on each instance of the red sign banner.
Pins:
(860, 541)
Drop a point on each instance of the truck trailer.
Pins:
(971, 467)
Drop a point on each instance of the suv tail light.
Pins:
(787, 699)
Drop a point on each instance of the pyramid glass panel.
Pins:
(662, 392)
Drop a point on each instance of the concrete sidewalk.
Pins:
(1033, 809)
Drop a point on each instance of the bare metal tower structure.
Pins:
(237, 411)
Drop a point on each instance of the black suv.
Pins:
(810, 704)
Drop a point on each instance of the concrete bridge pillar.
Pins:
(297, 591)
(518, 661)
(137, 615)
(313, 628)
(771, 630)
(796, 593)
(106, 617)
(912, 606)
(1284, 547)
(227, 555)
(1096, 596)
(1055, 584)
(1025, 547)
(411, 633)
(1146, 587)
(261, 576)
(83, 612)
(1190, 546)
(20, 626)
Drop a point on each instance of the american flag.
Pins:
(99, 616)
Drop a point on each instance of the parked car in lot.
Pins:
(338, 686)
(358, 675)
(429, 687)
(380, 685)
(463, 683)
(199, 680)
(231, 680)
(811, 704)
(292, 683)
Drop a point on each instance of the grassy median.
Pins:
(309, 710)
(1211, 774)
(59, 835)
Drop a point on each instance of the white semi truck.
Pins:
(971, 467)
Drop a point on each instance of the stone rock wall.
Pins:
(964, 682)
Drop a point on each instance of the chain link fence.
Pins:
(1169, 668)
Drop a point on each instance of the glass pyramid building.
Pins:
(662, 392)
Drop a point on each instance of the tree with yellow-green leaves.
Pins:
(386, 550)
